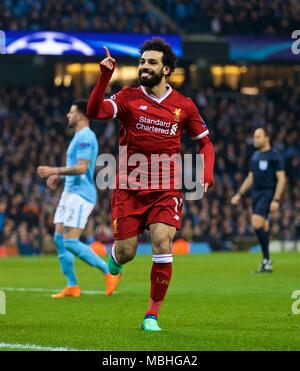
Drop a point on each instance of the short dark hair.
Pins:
(265, 130)
(169, 57)
(81, 105)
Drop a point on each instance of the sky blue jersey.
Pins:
(84, 146)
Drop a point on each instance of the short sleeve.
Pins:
(119, 102)
(84, 148)
(251, 163)
(194, 124)
(279, 163)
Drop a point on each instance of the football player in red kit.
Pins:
(152, 118)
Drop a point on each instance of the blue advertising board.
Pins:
(265, 48)
(88, 44)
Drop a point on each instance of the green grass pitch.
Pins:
(215, 302)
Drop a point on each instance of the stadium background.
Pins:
(238, 66)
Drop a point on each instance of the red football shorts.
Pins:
(134, 211)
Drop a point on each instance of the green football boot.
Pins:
(150, 323)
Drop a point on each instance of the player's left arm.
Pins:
(199, 132)
(281, 180)
(79, 168)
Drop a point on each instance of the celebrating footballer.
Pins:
(152, 118)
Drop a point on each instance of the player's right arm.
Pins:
(98, 108)
(247, 184)
(79, 168)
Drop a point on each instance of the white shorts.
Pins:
(73, 210)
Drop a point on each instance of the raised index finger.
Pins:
(107, 52)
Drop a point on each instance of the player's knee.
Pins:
(125, 251)
(162, 245)
(125, 255)
(257, 223)
(161, 238)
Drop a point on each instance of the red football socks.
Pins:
(161, 274)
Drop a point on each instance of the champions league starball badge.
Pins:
(50, 43)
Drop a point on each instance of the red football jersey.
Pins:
(150, 125)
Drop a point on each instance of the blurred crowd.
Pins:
(34, 132)
(220, 17)
(129, 16)
(224, 17)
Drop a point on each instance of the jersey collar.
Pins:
(158, 99)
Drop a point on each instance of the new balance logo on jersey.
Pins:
(142, 107)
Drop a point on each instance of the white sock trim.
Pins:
(113, 253)
(162, 258)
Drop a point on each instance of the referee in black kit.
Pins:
(267, 178)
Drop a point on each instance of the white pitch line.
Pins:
(28, 289)
(39, 347)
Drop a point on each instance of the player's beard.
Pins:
(152, 80)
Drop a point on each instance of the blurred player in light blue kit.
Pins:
(77, 201)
